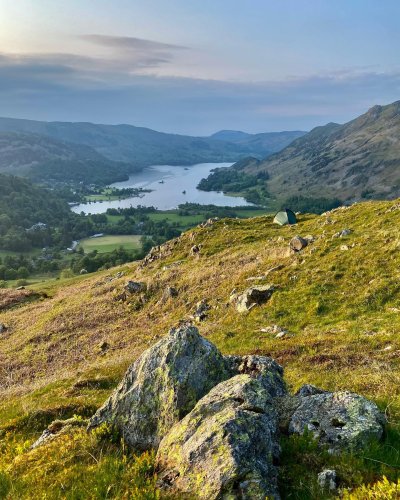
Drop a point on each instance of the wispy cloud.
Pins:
(113, 90)
(131, 43)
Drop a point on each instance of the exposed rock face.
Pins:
(251, 297)
(162, 386)
(297, 243)
(340, 419)
(224, 448)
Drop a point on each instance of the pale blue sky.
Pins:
(198, 66)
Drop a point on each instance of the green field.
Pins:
(105, 244)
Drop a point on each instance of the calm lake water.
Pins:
(168, 184)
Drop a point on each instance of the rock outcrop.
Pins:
(215, 420)
(162, 386)
(252, 297)
(297, 243)
(224, 448)
(341, 420)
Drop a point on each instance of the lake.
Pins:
(168, 184)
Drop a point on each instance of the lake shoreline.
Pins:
(169, 186)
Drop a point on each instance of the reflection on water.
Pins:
(171, 186)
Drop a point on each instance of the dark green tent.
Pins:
(285, 216)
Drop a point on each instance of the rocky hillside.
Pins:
(325, 306)
(357, 160)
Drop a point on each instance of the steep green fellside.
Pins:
(339, 298)
(358, 160)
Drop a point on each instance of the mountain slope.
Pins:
(262, 144)
(339, 299)
(359, 159)
(127, 143)
(48, 160)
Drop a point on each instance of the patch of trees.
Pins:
(311, 205)
(231, 180)
(90, 171)
(95, 261)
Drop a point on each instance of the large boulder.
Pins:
(253, 296)
(341, 420)
(225, 447)
(162, 386)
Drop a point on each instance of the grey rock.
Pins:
(340, 420)
(202, 308)
(162, 386)
(252, 297)
(327, 479)
(135, 287)
(58, 427)
(309, 390)
(169, 293)
(297, 243)
(225, 447)
(266, 369)
(3, 328)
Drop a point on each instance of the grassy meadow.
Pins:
(339, 298)
(108, 243)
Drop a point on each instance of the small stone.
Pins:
(344, 248)
(135, 287)
(297, 243)
(3, 328)
(200, 313)
(170, 292)
(327, 479)
(195, 250)
(104, 346)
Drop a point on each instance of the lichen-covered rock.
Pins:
(251, 297)
(225, 447)
(162, 386)
(264, 368)
(340, 419)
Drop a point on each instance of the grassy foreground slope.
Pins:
(63, 353)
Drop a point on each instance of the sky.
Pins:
(198, 66)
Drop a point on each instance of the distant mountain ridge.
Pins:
(357, 160)
(77, 152)
(262, 144)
